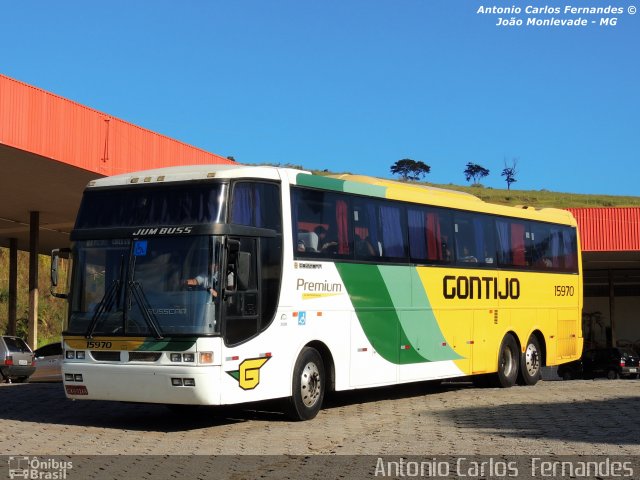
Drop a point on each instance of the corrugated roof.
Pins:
(46, 124)
(608, 229)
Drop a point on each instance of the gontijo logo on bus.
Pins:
(464, 287)
(248, 375)
(318, 289)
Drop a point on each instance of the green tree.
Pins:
(509, 172)
(475, 172)
(410, 169)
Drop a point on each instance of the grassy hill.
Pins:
(545, 198)
(533, 198)
(51, 310)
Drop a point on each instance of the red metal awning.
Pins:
(50, 147)
(40, 122)
(608, 229)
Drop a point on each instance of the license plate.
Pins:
(23, 362)
(633, 370)
(76, 390)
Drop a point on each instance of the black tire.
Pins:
(612, 375)
(508, 363)
(567, 375)
(530, 363)
(20, 379)
(308, 386)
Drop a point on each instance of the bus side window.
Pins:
(365, 235)
(256, 204)
(466, 240)
(570, 249)
(513, 243)
(321, 224)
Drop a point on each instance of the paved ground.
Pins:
(554, 417)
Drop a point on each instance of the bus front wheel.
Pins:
(508, 363)
(530, 362)
(308, 385)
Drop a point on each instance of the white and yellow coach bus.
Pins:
(215, 285)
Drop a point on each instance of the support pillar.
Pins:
(34, 240)
(13, 287)
(612, 308)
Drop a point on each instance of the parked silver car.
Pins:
(48, 363)
(16, 359)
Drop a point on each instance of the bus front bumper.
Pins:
(145, 384)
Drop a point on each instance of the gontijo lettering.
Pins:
(480, 287)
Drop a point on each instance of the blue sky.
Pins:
(352, 85)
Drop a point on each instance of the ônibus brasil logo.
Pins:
(34, 467)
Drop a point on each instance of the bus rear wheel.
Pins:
(508, 363)
(530, 362)
(308, 385)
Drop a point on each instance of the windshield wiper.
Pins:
(145, 306)
(105, 305)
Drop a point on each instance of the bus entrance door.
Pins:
(241, 296)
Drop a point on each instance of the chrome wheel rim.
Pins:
(310, 384)
(532, 360)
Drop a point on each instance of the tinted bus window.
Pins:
(321, 225)
(256, 204)
(512, 238)
(380, 230)
(474, 239)
(429, 231)
(154, 205)
(553, 247)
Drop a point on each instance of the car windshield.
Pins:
(157, 286)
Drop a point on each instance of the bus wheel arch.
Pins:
(329, 365)
(308, 384)
(532, 359)
(508, 362)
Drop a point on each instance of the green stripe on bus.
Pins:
(317, 181)
(365, 189)
(400, 332)
(396, 279)
(420, 328)
(326, 183)
(373, 307)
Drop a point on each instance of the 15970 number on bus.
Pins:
(564, 290)
(99, 344)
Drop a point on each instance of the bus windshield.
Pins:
(156, 286)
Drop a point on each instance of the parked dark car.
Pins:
(48, 363)
(614, 362)
(611, 362)
(16, 359)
